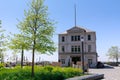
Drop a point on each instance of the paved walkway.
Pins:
(109, 73)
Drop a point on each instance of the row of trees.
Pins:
(3, 43)
(35, 32)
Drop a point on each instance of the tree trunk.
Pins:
(22, 54)
(33, 59)
(33, 63)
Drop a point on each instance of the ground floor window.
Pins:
(63, 61)
(89, 62)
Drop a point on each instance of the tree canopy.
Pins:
(3, 43)
(38, 28)
(19, 43)
(114, 53)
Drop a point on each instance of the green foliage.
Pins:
(3, 43)
(114, 53)
(41, 73)
(19, 42)
(38, 29)
(1, 65)
(49, 68)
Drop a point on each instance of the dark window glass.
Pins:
(78, 38)
(75, 48)
(90, 62)
(75, 38)
(63, 61)
(63, 49)
(78, 48)
(63, 39)
(72, 49)
(72, 38)
(89, 48)
(89, 37)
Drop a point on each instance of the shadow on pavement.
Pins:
(108, 67)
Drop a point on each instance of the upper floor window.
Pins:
(75, 38)
(78, 37)
(72, 38)
(63, 49)
(72, 49)
(75, 49)
(78, 48)
(63, 38)
(89, 48)
(89, 37)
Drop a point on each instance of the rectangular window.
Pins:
(78, 38)
(75, 38)
(75, 48)
(89, 48)
(90, 62)
(63, 61)
(72, 38)
(72, 49)
(89, 37)
(63, 39)
(63, 49)
(78, 48)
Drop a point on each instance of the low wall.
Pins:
(88, 77)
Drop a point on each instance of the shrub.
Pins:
(49, 68)
(1, 65)
(41, 73)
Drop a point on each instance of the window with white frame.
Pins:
(63, 49)
(63, 39)
(89, 37)
(63, 61)
(75, 49)
(75, 38)
(89, 48)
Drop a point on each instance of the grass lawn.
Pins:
(41, 73)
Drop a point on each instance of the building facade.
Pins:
(70, 46)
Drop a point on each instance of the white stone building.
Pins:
(70, 46)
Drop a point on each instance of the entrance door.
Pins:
(75, 59)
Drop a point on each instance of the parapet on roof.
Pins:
(77, 28)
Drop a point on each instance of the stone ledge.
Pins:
(88, 77)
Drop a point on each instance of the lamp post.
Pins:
(82, 55)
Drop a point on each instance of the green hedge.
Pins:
(41, 73)
(1, 65)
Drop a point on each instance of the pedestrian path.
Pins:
(109, 73)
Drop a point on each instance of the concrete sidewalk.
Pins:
(109, 73)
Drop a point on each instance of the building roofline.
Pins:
(86, 30)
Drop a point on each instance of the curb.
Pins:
(88, 77)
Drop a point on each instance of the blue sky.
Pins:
(102, 16)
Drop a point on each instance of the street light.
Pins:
(82, 55)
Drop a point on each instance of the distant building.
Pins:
(70, 46)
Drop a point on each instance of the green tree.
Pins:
(38, 28)
(3, 42)
(19, 43)
(114, 53)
